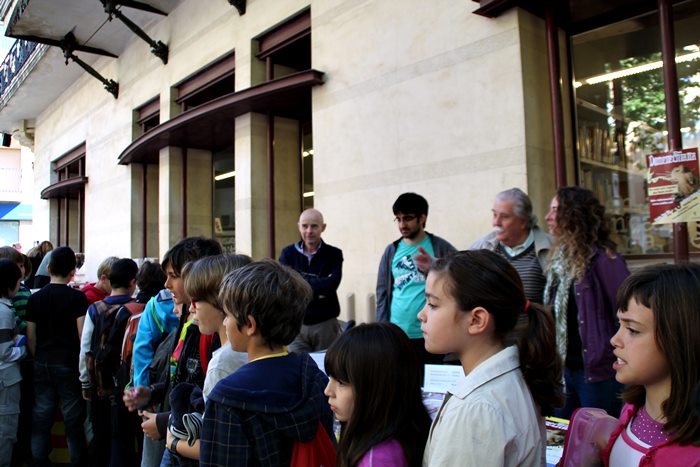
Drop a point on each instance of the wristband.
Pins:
(173, 446)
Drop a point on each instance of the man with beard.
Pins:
(400, 284)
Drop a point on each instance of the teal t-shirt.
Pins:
(408, 295)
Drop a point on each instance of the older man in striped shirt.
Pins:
(517, 238)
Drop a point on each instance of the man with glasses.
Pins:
(400, 284)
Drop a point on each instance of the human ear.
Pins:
(252, 326)
(480, 319)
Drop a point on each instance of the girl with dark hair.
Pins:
(657, 352)
(374, 391)
(582, 281)
(12, 350)
(494, 415)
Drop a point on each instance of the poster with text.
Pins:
(672, 182)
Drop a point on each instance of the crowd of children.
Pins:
(199, 373)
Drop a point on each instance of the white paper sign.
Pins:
(440, 378)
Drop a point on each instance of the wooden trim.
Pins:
(64, 188)
(69, 157)
(211, 74)
(148, 110)
(281, 36)
(253, 99)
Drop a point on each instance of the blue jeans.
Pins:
(152, 452)
(603, 394)
(53, 384)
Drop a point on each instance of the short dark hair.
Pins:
(150, 279)
(411, 203)
(190, 249)
(276, 296)
(9, 275)
(62, 261)
(123, 272)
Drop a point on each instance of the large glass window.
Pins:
(621, 117)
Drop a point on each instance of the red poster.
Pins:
(673, 181)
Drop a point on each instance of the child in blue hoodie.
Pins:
(255, 415)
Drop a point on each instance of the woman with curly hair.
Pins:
(583, 276)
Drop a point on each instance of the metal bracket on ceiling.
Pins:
(240, 6)
(68, 45)
(158, 48)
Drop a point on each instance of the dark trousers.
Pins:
(54, 384)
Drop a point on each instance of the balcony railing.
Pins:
(14, 61)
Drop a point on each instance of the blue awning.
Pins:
(15, 212)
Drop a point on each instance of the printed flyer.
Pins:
(673, 180)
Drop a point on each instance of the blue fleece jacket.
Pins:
(158, 320)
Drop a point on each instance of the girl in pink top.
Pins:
(658, 356)
(374, 392)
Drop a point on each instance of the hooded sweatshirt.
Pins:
(254, 416)
(94, 294)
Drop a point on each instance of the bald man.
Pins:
(322, 266)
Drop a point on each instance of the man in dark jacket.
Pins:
(400, 284)
(321, 265)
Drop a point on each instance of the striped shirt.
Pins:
(529, 269)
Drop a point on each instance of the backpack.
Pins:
(125, 374)
(104, 356)
(319, 452)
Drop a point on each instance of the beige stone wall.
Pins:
(428, 98)
(423, 97)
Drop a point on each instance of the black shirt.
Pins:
(55, 310)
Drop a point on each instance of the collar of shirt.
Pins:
(516, 250)
(503, 362)
(300, 248)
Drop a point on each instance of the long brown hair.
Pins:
(379, 362)
(482, 278)
(581, 228)
(672, 292)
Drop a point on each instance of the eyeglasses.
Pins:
(407, 218)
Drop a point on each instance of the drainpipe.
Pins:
(552, 30)
(673, 115)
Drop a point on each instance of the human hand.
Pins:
(149, 424)
(423, 260)
(87, 394)
(136, 397)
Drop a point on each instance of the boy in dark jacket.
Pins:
(255, 416)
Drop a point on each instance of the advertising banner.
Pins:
(672, 183)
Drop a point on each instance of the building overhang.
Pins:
(45, 76)
(64, 189)
(211, 125)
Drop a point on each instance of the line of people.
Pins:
(212, 370)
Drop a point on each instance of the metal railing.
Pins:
(14, 61)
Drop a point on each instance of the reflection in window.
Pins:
(621, 117)
(225, 199)
(307, 166)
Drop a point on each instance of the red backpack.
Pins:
(126, 370)
(319, 452)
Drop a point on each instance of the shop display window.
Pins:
(620, 118)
